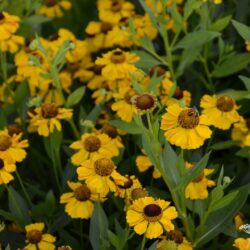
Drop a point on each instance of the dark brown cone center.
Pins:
(225, 103)
(110, 131)
(138, 193)
(49, 110)
(5, 142)
(188, 118)
(34, 236)
(92, 143)
(1, 16)
(116, 6)
(14, 129)
(176, 236)
(152, 210)
(106, 27)
(158, 70)
(178, 94)
(144, 102)
(82, 193)
(1, 164)
(118, 57)
(50, 3)
(104, 167)
(128, 184)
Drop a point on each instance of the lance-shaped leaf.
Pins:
(242, 29)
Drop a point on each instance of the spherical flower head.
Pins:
(184, 127)
(220, 111)
(36, 239)
(138, 193)
(117, 64)
(144, 103)
(101, 175)
(151, 217)
(198, 188)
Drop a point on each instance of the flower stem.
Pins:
(143, 243)
(4, 65)
(24, 189)
(74, 129)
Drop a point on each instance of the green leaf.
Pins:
(222, 213)
(35, 19)
(242, 29)
(153, 246)
(18, 207)
(75, 97)
(7, 215)
(246, 81)
(196, 38)
(21, 94)
(224, 145)
(131, 127)
(237, 94)
(220, 24)
(113, 239)
(154, 82)
(98, 227)
(244, 152)
(146, 60)
(177, 18)
(232, 65)
(195, 171)
(147, 43)
(169, 162)
(190, 7)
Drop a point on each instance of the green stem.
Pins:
(4, 65)
(24, 189)
(81, 233)
(74, 129)
(149, 122)
(143, 243)
(101, 226)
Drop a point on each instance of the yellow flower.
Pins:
(184, 127)
(197, 189)
(100, 175)
(242, 244)
(150, 217)
(79, 203)
(6, 168)
(241, 132)
(124, 190)
(217, 1)
(117, 64)
(54, 8)
(247, 45)
(238, 220)
(220, 111)
(113, 11)
(12, 147)
(8, 26)
(35, 239)
(46, 118)
(176, 239)
(143, 163)
(93, 145)
(123, 105)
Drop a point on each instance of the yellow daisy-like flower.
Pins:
(93, 145)
(124, 190)
(100, 175)
(123, 105)
(117, 64)
(143, 163)
(79, 203)
(197, 188)
(46, 118)
(8, 26)
(151, 217)
(247, 46)
(176, 240)
(113, 11)
(242, 244)
(241, 132)
(54, 8)
(6, 168)
(35, 239)
(12, 147)
(239, 220)
(220, 111)
(184, 127)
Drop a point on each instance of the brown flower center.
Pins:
(248, 123)
(1, 16)
(49, 110)
(34, 236)
(178, 94)
(82, 193)
(116, 6)
(225, 103)
(14, 129)
(54, 37)
(123, 21)
(176, 236)
(5, 142)
(1, 164)
(138, 193)
(199, 178)
(188, 118)
(97, 69)
(128, 95)
(50, 3)
(104, 167)
(158, 70)
(92, 143)
(106, 27)
(118, 57)
(145, 101)
(110, 131)
(128, 184)
(152, 212)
